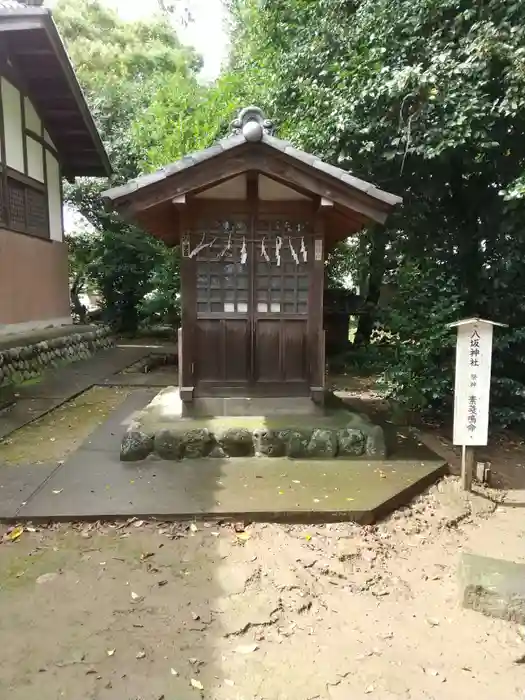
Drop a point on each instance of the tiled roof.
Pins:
(237, 140)
(13, 6)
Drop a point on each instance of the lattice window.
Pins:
(16, 204)
(24, 207)
(281, 283)
(37, 221)
(222, 277)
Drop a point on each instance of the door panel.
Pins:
(252, 280)
(294, 358)
(222, 350)
(267, 346)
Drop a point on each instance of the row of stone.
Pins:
(19, 364)
(312, 443)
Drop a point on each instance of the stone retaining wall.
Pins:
(359, 439)
(18, 364)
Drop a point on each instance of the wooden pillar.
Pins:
(188, 310)
(316, 338)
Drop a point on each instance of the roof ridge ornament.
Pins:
(252, 124)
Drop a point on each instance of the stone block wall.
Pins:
(18, 364)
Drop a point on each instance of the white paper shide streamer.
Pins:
(244, 252)
(303, 251)
(264, 252)
(278, 246)
(292, 251)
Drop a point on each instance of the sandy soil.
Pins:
(150, 611)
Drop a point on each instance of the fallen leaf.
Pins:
(243, 536)
(111, 652)
(227, 681)
(215, 534)
(432, 672)
(162, 583)
(194, 528)
(247, 649)
(14, 534)
(295, 481)
(350, 499)
(196, 684)
(308, 537)
(174, 672)
(316, 500)
(433, 622)
(195, 616)
(141, 655)
(58, 491)
(45, 578)
(369, 689)
(239, 527)
(136, 597)
(146, 555)
(138, 523)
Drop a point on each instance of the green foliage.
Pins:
(122, 66)
(420, 375)
(427, 99)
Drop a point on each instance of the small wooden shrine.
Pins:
(254, 218)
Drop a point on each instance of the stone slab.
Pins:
(96, 485)
(64, 383)
(107, 437)
(140, 379)
(18, 483)
(494, 587)
(25, 411)
(252, 406)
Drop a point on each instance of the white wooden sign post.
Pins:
(472, 389)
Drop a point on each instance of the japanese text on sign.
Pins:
(472, 384)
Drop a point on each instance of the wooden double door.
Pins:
(252, 278)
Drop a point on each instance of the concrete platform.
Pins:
(252, 406)
(94, 484)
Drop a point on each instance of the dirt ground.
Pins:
(153, 611)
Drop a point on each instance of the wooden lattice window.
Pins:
(36, 208)
(24, 206)
(281, 282)
(222, 276)
(16, 204)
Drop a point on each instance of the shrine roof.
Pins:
(237, 140)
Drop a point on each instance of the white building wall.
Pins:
(35, 159)
(54, 197)
(12, 113)
(32, 119)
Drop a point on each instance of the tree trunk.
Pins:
(376, 271)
